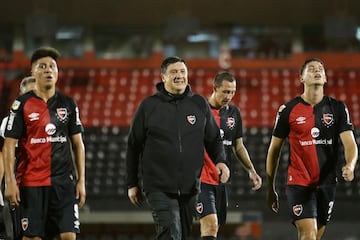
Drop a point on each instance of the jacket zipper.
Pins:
(178, 128)
(180, 143)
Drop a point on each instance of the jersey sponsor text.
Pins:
(58, 139)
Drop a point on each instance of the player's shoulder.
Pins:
(286, 107)
(20, 101)
(333, 100)
(336, 104)
(232, 107)
(61, 97)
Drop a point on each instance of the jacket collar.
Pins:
(162, 93)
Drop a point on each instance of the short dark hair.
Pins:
(170, 60)
(44, 52)
(25, 81)
(220, 77)
(302, 69)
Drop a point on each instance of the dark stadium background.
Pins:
(112, 50)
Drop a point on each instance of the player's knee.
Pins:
(307, 229)
(68, 236)
(212, 229)
(209, 226)
(307, 234)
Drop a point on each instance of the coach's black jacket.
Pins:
(166, 142)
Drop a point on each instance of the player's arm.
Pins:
(2, 167)
(243, 156)
(2, 171)
(351, 154)
(272, 163)
(11, 189)
(79, 153)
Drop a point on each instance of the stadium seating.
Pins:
(108, 97)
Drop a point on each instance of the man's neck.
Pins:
(213, 102)
(313, 94)
(45, 94)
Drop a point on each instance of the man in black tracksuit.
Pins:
(166, 139)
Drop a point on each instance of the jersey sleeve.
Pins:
(15, 125)
(75, 125)
(3, 126)
(345, 123)
(2, 132)
(239, 128)
(282, 127)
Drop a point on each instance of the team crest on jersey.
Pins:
(230, 122)
(61, 114)
(199, 207)
(24, 223)
(328, 119)
(298, 209)
(191, 119)
(15, 105)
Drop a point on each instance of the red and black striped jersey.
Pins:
(229, 121)
(313, 136)
(44, 130)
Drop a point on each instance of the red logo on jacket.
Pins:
(191, 119)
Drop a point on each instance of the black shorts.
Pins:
(213, 199)
(206, 203)
(49, 210)
(311, 202)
